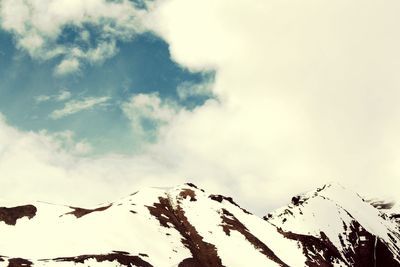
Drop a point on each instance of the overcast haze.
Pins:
(254, 99)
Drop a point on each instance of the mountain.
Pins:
(186, 226)
(335, 226)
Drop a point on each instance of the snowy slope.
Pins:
(353, 232)
(183, 226)
(126, 225)
(186, 226)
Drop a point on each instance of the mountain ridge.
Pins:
(186, 226)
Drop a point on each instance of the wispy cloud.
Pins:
(42, 98)
(74, 106)
(187, 90)
(64, 95)
(147, 113)
(61, 96)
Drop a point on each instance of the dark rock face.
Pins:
(369, 252)
(190, 262)
(203, 254)
(123, 258)
(318, 251)
(296, 200)
(11, 215)
(188, 193)
(194, 186)
(367, 249)
(80, 212)
(382, 204)
(220, 198)
(231, 223)
(18, 262)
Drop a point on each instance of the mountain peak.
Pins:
(336, 215)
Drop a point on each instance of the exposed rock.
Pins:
(188, 193)
(123, 258)
(319, 251)
(19, 262)
(80, 212)
(220, 198)
(231, 223)
(203, 253)
(11, 215)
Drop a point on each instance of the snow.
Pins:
(232, 248)
(53, 233)
(327, 211)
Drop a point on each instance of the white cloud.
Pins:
(67, 66)
(37, 25)
(308, 93)
(31, 163)
(148, 109)
(64, 95)
(102, 51)
(65, 141)
(188, 89)
(74, 106)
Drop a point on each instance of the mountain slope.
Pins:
(352, 231)
(183, 226)
(186, 226)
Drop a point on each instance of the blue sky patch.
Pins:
(31, 95)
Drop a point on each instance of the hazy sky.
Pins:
(255, 99)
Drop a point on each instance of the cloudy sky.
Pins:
(259, 100)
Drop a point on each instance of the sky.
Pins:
(258, 100)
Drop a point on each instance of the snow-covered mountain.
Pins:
(336, 226)
(186, 226)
